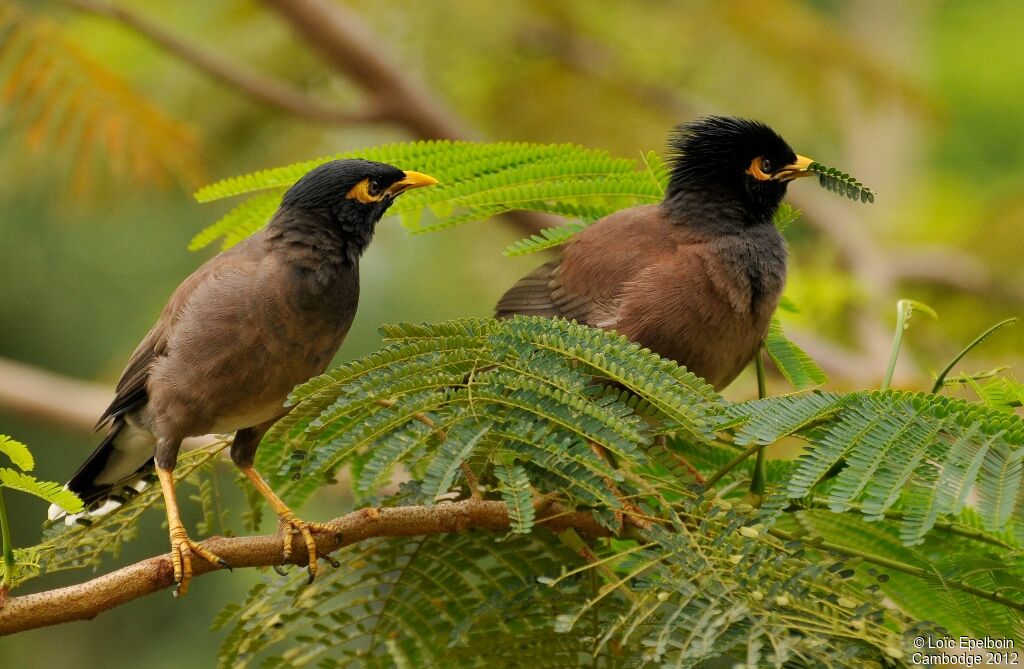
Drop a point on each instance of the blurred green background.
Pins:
(106, 135)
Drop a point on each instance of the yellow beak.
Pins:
(795, 170)
(410, 181)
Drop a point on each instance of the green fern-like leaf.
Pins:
(842, 183)
(927, 450)
(515, 491)
(765, 421)
(529, 381)
(795, 365)
(934, 595)
(17, 452)
(1005, 394)
(450, 161)
(450, 456)
(240, 222)
(44, 490)
(545, 239)
(477, 181)
(785, 216)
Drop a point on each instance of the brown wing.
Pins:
(130, 393)
(666, 286)
(586, 283)
(540, 293)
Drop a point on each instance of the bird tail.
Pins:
(117, 470)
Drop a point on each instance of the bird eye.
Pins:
(374, 188)
(766, 165)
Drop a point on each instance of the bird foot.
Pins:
(290, 526)
(182, 550)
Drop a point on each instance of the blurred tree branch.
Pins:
(38, 394)
(347, 45)
(87, 600)
(265, 89)
(41, 395)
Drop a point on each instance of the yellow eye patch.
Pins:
(361, 193)
(755, 170)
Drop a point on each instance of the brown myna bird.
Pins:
(695, 278)
(236, 337)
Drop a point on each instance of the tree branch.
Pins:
(38, 394)
(267, 90)
(87, 600)
(347, 45)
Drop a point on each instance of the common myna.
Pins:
(236, 336)
(695, 278)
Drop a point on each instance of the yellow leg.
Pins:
(289, 523)
(182, 547)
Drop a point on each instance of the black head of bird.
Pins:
(719, 161)
(353, 194)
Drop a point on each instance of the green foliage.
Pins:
(945, 557)
(16, 563)
(546, 239)
(514, 484)
(785, 216)
(940, 378)
(464, 601)
(765, 421)
(795, 365)
(47, 491)
(26, 483)
(519, 401)
(923, 451)
(86, 543)
(17, 452)
(477, 181)
(527, 380)
(842, 183)
(471, 601)
(1003, 393)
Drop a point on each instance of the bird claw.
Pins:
(182, 550)
(290, 526)
(281, 571)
